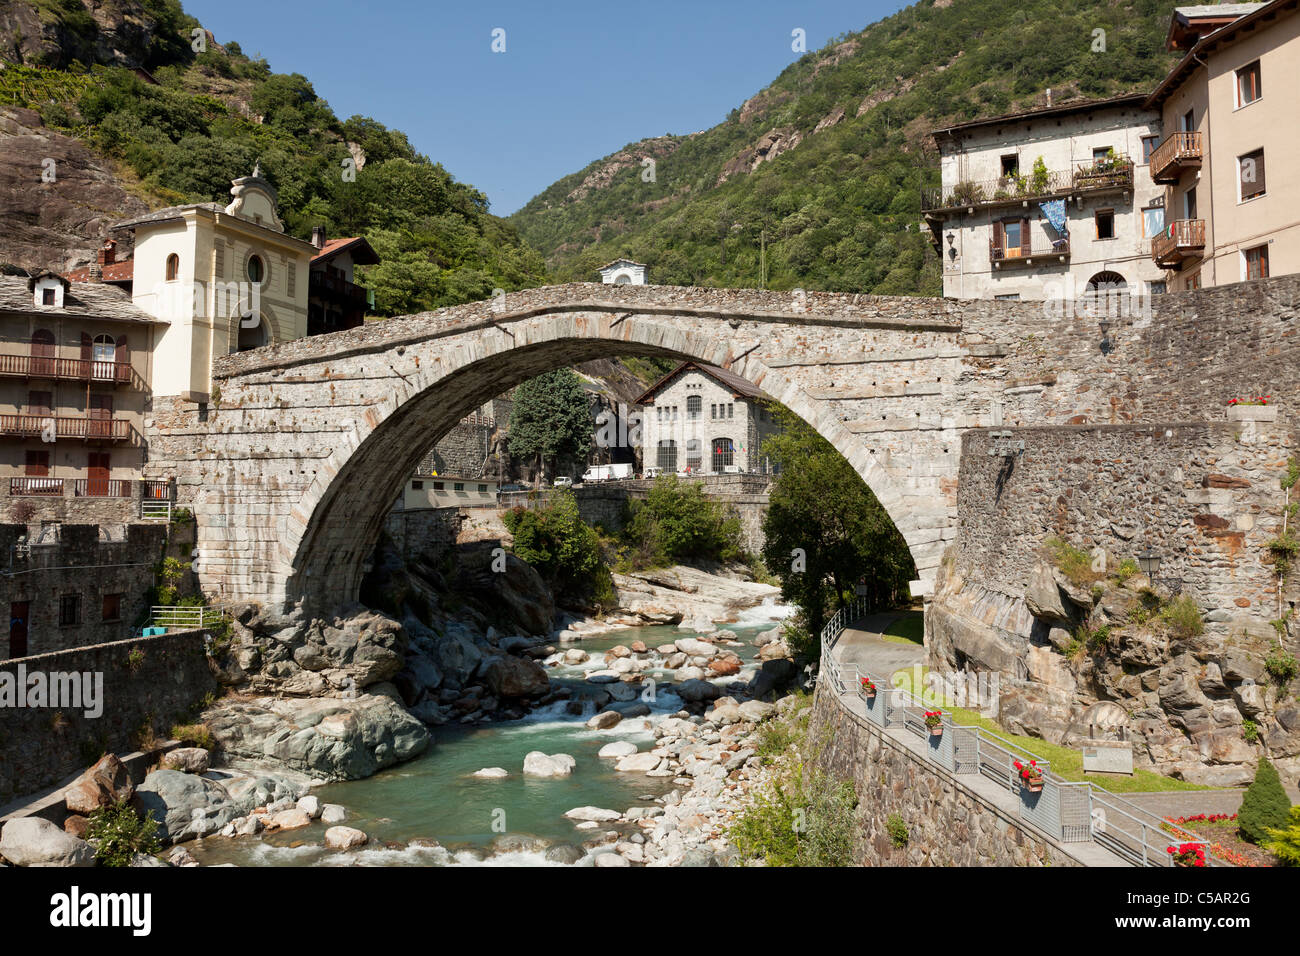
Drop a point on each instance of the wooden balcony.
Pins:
(101, 488)
(1058, 250)
(28, 487)
(86, 429)
(1007, 190)
(1104, 175)
(326, 286)
(75, 370)
(1177, 154)
(1182, 239)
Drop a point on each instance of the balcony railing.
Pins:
(1179, 152)
(79, 370)
(101, 488)
(1104, 174)
(1180, 240)
(326, 285)
(1023, 253)
(1113, 173)
(29, 487)
(88, 429)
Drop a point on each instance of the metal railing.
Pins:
(36, 487)
(156, 500)
(171, 615)
(101, 488)
(82, 370)
(1004, 253)
(1067, 811)
(993, 191)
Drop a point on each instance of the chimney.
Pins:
(107, 253)
(318, 236)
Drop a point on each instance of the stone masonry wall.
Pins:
(1205, 497)
(39, 746)
(424, 531)
(948, 824)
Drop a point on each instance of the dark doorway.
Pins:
(18, 629)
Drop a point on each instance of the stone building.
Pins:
(1048, 202)
(334, 301)
(76, 363)
(1227, 162)
(701, 419)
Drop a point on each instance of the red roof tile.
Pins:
(116, 272)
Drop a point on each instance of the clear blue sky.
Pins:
(579, 79)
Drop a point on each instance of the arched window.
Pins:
(667, 458)
(694, 404)
(1107, 294)
(256, 269)
(43, 352)
(255, 337)
(624, 279)
(173, 267)
(724, 454)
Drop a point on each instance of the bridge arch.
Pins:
(336, 523)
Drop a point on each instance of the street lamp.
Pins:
(1149, 562)
(1107, 346)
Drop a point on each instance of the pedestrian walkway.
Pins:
(862, 645)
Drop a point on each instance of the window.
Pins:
(1189, 121)
(1248, 88)
(1189, 204)
(731, 410)
(1100, 153)
(1156, 288)
(104, 349)
(112, 609)
(173, 267)
(482, 489)
(1009, 297)
(1256, 262)
(693, 406)
(1010, 165)
(417, 486)
(40, 404)
(667, 455)
(37, 464)
(47, 297)
(256, 269)
(1105, 219)
(1153, 221)
(694, 455)
(1251, 170)
(1149, 144)
(724, 453)
(459, 486)
(439, 486)
(1193, 281)
(69, 610)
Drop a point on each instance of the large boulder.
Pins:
(697, 691)
(345, 838)
(516, 677)
(1043, 597)
(104, 784)
(538, 764)
(184, 805)
(33, 841)
(186, 760)
(694, 647)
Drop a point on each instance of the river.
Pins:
(435, 797)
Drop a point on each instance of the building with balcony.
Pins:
(1227, 160)
(334, 301)
(1048, 201)
(76, 363)
(703, 420)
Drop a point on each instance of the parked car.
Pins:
(513, 486)
(564, 481)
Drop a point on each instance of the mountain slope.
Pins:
(825, 165)
(176, 125)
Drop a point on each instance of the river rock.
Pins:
(619, 748)
(333, 813)
(690, 673)
(756, 710)
(610, 859)
(293, 819)
(34, 841)
(186, 806)
(327, 738)
(630, 708)
(575, 656)
(604, 720)
(565, 853)
(773, 651)
(516, 677)
(638, 763)
(724, 666)
(103, 784)
(592, 814)
(698, 690)
(538, 764)
(491, 773)
(694, 647)
(310, 805)
(186, 760)
(345, 838)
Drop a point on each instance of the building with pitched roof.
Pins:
(704, 420)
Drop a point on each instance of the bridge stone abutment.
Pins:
(292, 468)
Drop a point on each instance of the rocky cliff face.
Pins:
(57, 198)
(120, 33)
(1108, 659)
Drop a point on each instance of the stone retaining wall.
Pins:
(39, 746)
(948, 824)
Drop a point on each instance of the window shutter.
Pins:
(121, 354)
(87, 347)
(998, 234)
(1024, 236)
(1259, 172)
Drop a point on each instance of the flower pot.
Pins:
(869, 694)
(1034, 786)
(936, 730)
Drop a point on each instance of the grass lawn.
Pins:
(1066, 762)
(907, 629)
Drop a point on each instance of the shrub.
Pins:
(676, 521)
(193, 735)
(802, 819)
(1285, 841)
(1281, 666)
(897, 830)
(1072, 562)
(134, 660)
(1250, 731)
(1183, 618)
(121, 834)
(1265, 805)
(1127, 568)
(555, 540)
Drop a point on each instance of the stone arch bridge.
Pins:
(292, 467)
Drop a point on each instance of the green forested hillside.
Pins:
(840, 209)
(216, 112)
